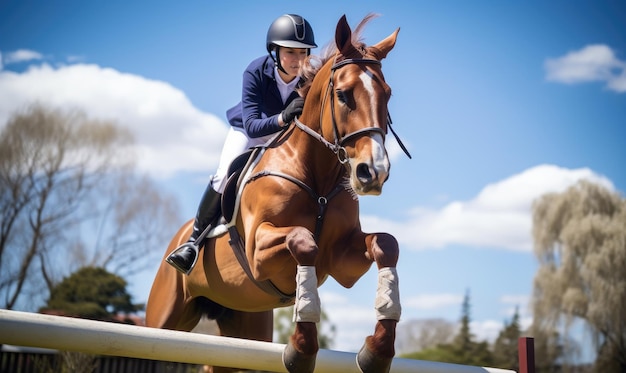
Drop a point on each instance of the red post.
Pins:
(526, 353)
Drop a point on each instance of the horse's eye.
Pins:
(341, 96)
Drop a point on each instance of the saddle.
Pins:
(237, 168)
(237, 175)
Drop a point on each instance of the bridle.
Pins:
(338, 146)
(322, 200)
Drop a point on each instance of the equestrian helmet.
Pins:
(290, 31)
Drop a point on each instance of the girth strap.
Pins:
(237, 244)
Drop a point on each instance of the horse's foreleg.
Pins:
(378, 350)
(301, 351)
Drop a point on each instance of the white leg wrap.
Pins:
(387, 302)
(307, 307)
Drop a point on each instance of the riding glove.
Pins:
(292, 110)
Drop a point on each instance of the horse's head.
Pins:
(354, 96)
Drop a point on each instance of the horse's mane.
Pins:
(313, 63)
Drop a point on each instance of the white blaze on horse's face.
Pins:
(370, 175)
(370, 171)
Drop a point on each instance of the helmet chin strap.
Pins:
(277, 60)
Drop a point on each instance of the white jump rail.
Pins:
(103, 338)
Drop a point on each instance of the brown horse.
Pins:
(297, 220)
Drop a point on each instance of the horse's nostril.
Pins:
(363, 173)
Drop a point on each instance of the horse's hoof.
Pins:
(297, 362)
(370, 363)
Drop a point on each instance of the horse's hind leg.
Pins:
(378, 350)
(167, 306)
(248, 325)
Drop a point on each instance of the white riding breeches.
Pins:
(236, 143)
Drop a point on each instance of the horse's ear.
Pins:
(343, 36)
(381, 49)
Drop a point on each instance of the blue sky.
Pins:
(498, 102)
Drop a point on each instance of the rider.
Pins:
(268, 103)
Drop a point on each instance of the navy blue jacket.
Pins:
(260, 102)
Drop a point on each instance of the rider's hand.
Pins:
(292, 110)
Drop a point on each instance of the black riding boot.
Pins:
(184, 257)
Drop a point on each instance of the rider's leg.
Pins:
(237, 142)
(184, 257)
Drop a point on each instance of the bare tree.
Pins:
(580, 242)
(418, 335)
(142, 220)
(59, 171)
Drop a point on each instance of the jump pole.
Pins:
(104, 338)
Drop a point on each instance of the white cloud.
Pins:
(171, 134)
(486, 330)
(618, 83)
(21, 55)
(592, 63)
(498, 217)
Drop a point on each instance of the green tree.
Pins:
(466, 350)
(463, 341)
(505, 353)
(91, 293)
(580, 242)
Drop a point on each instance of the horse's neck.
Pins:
(320, 165)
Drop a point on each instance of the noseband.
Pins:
(337, 147)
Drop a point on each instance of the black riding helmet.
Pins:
(289, 31)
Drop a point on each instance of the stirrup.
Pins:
(191, 245)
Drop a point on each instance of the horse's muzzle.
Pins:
(368, 178)
(369, 169)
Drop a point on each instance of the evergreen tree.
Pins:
(91, 293)
(466, 350)
(462, 343)
(463, 349)
(505, 353)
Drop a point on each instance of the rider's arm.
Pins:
(260, 102)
